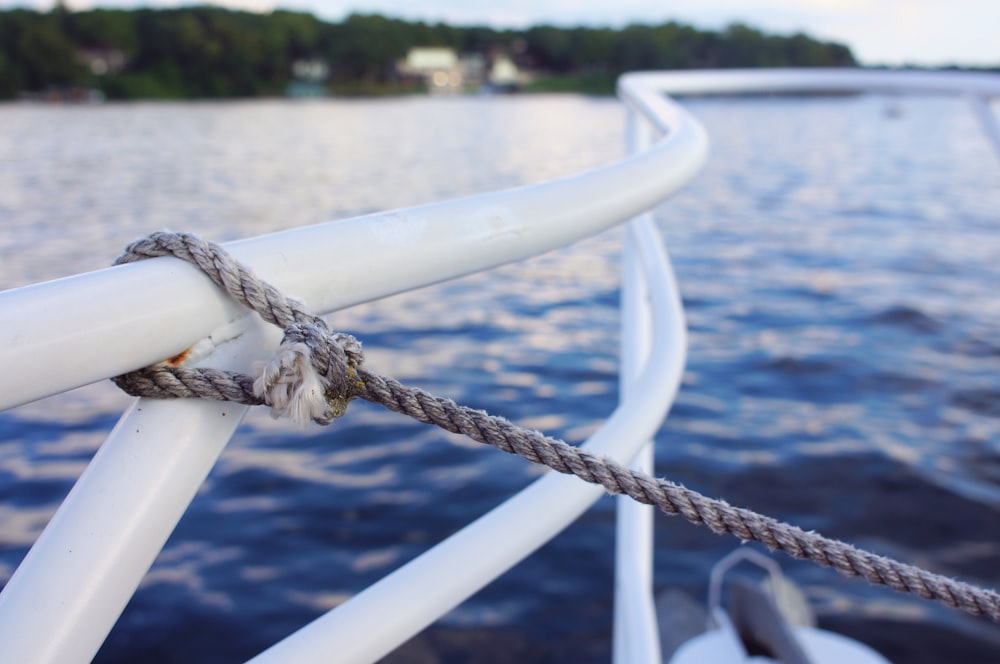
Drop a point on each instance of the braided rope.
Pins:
(337, 361)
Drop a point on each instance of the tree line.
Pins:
(210, 52)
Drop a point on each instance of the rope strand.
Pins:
(309, 349)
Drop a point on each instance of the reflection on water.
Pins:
(839, 277)
(97, 177)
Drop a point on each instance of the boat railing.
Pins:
(66, 595)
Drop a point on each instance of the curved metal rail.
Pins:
(387, 253)
(75, 581)
(67, 594)
(640, 89)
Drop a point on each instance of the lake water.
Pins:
(841, 275)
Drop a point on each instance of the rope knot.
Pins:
(313, 375)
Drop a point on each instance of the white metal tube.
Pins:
(156, 489)
(92, 555)
(729, 81)
(363, 629)
(635, 636)
(133, 315)
(70, 589)
(640, 89)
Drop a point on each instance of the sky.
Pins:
(891, 32)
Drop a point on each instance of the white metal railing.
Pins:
(70, 589)
(66, 595)
(635, 638)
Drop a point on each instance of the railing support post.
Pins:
(75, 581)
(635, 635)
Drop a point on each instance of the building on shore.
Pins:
(442, 70)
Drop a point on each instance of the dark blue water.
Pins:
(840, 273)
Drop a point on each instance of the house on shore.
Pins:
(442, 70)
(309, 79)
(438, 68)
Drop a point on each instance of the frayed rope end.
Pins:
(293, 388)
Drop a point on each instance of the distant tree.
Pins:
(552, 48)
(480, 39)
(10, 78)
(593, 48)
(204, 51)
(636, 49)
(46, 54)
(367, 47)
(298, 34)
(104, 28)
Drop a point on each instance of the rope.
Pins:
(316, 373)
